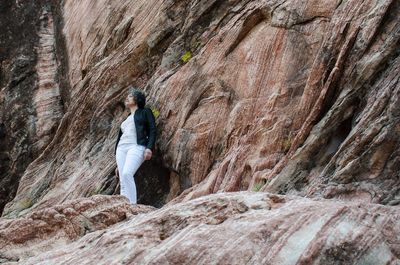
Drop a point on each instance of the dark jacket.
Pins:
(145, 128)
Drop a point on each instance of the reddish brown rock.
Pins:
(290, 97)
(314, 104)
(33, 90)
(47, 99)
(61, 224)
(298, 97)
(243, 228)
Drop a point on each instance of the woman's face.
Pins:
(130, 101)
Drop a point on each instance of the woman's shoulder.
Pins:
(142, 112)
(146, 109)
(152, 111)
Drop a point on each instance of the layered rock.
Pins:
(243, 228)
(59, 225)
(293, 97)
(47, 100)
(310, 95)
(280, 94)
(28, 44)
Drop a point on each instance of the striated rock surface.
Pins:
(309, 93)
(33, 91)
(47, 99)
(297, 98)
(293, 97)
(61, 224)
(243, 228)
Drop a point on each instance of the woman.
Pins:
(135, 143)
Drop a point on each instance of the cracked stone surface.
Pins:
(242, 228)
(45, 229)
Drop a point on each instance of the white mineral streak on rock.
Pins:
(47, 99)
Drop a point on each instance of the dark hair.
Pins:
(138, 95)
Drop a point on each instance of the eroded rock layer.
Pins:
(43, 230)
(297, 97)
(281, 96)
(242, 228)
(33, 90)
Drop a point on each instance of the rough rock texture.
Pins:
(32, 86)
(296, 97)
(243, 228)
(311, 96)
(282, 96)
(47, 98)
(59, 225)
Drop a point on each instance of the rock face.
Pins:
(242, 228)
(32, 87)
(293, 97)
(47, 99)
(281, 96)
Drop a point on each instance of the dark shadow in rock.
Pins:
(337, 138)
(152, 182)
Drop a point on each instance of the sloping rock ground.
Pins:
(229, 228)
(43, 230)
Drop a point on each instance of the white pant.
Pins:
(129, 158)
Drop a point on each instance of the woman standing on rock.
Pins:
(135, 143)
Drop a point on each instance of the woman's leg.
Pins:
(134, 158)
(121, 157)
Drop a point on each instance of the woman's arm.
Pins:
(152, 128)
(116, 143)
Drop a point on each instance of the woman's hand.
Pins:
(116, 172)
(147, 154)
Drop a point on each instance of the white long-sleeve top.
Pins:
(128, 131)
